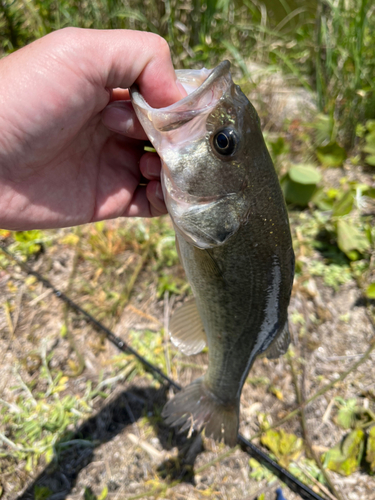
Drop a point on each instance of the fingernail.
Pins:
(118, 118)
(159, 192)
(152, 166)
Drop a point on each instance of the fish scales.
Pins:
(239, 307)
(233, 239)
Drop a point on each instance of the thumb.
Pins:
(125, 57)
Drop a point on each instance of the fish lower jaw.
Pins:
(197, 408)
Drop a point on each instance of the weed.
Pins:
(118, 261)
(345, 62)
(40, 420)
(332, 274)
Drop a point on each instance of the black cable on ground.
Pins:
(286, 477)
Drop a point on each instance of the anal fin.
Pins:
(279, 345)
(186, 329)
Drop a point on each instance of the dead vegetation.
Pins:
(78, 419)
(81, 420)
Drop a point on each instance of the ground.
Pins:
(79, 419)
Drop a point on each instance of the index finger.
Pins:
(125, 57)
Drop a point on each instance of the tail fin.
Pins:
(197, 408)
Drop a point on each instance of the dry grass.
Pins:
(110, 435)
(78, 419)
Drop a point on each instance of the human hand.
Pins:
(59, 164)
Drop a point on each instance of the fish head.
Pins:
(210, 143)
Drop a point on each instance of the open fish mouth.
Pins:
(182, 136)
(204, 87)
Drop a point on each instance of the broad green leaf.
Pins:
(370, 449)
(299, 185)
(298, 194)
(278, 147)
(331, 155)
(305, 174)
(370, 292)
(349, 237)
(370, 159)
(343, 205)
(345, 457)
(325, 128)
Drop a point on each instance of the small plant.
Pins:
(300, 184)
(352, 233)
(345, 457)
(286, 447)
(370, 449)
(369, 147)
(40, 420)
(346, 416)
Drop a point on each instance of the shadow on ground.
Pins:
(76, 451)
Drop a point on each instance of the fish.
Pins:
(233, 239)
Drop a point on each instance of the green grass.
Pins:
(118, 263)
(38, 420)
(328, 47)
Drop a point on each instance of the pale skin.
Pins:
(71, 148)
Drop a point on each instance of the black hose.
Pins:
(286, 477)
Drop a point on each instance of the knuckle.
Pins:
(66, 36)
(161, 46)
(68, 32)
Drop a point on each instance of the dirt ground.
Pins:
(132, 453)
(113, 442)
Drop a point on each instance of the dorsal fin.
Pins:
(279, 345)
(186, 329)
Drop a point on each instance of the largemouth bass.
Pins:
(233, 239)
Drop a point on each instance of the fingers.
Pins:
(119, 58)
(120, 117)
(119, 193)
(157, 81)
(147, 201)
(150, 166)
(155, 196)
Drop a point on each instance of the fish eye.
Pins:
(225, 141)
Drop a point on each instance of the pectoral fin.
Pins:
(186, 329)
(279, 345)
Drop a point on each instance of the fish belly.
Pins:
(242, 297)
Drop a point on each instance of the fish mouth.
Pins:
(212, 85)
